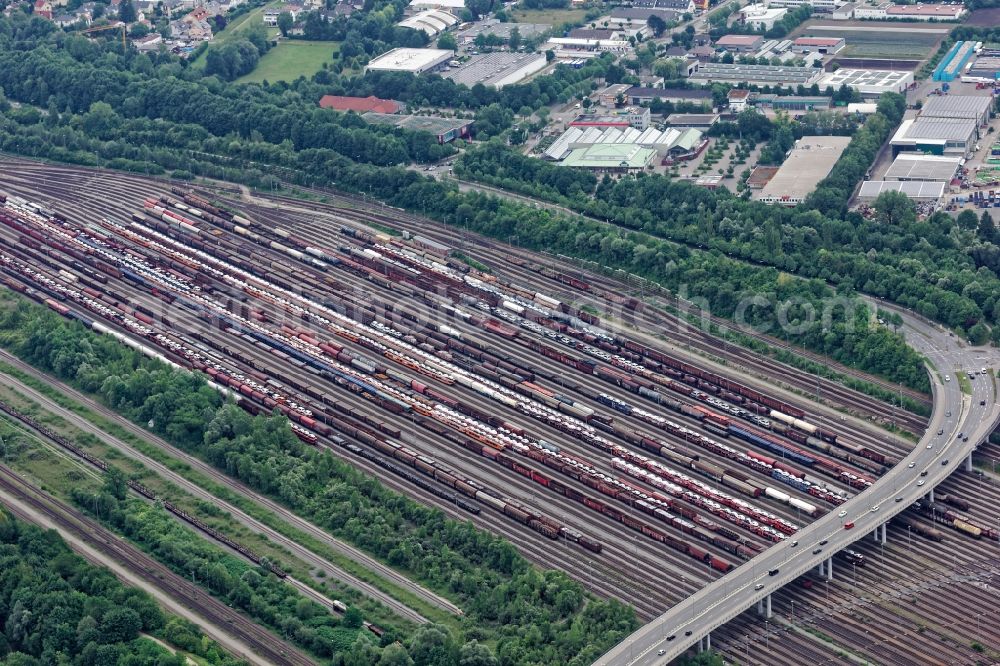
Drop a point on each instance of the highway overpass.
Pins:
(692, 620)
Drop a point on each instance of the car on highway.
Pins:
(849, 526)
(842, 514)
(758, 586)
(794, 544)
(965, 439)
(982, 403)
(923, 473)
(899, 499)
(930, 446)
(687, 633)
(912, 465)
(941, 431)
(875, 508)
(660, 653)
(920, 482)
(772, 572)
(817, 551)
(947, 378)
(671, 637)
(823, 542)
(944, 462)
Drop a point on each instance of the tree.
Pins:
(514, 41)
(550, 55)
(967, 219)
(353, 618)
(115, 483)
(431, 645)
(447, 41)
(126, 12)
(285, 22)
(474, 653)
(657, 25)
(479, 7)
(987, 230)
(120, 625)
(894, 208)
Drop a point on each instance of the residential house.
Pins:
(271, 15)
(43, 9)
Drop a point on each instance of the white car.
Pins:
(842, 514)
(920, 482)
(947, 378)
(912, 465)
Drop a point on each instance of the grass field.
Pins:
(291, 59)
(895, 40)
(553, 17)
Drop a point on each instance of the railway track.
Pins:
(77, 528)
(642, 566)
(330, 570)
(618, 534)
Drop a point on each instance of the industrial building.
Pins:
(670, 142)
(985, 67)
(638, 95)
(622, 17)
(825, 6)
(828, 45)
(920, 167)
(611, 158)
(868, 82)
(757, 75)
(445, 129)
(761, 17)
(958, 106)
(633, 116)
(916, 190)
(810, 161)
(937, 136)
(454, 6)
(430, 21)
(593, 45)
(496, 70)
(415, 61)
(791, 102)
(951, 66)
(739, 43)
(704, 120)
(500, 30)
(926, 12)
(359, 104)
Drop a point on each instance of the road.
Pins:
(330, 569)
(935, 457)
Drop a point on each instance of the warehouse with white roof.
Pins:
(670, 141)
(415, 61)
(958, 106)
(918, 191)
(937, 136)
(496, 70)
(868, 82)
(921, 167)
(431, 21)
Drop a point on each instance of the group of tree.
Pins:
(531, 616)
(56, 608)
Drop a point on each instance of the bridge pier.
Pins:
(764, 608)
(705, 644)
(968, 463)
(884, 539)
(829, 568)
(931, 495)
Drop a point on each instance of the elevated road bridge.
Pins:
(964, 420)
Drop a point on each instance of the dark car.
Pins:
(772, 572)
(944, 462)
(823, 542)
(817, 551)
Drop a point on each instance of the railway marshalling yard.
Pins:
(541, 402)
